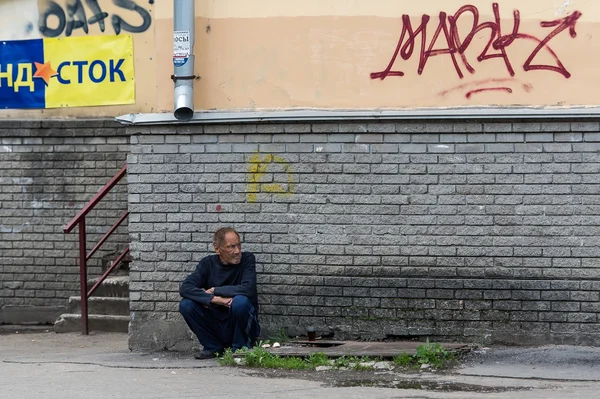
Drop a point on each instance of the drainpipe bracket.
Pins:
(192, 77)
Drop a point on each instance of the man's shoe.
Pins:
(204, 354)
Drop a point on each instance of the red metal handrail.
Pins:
(94, 201)
(108, 234)
(79, 220)
(110, 269)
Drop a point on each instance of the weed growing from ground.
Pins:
(428, 353)
(227, 358)
(432, 353)
(282, 337)
(261, 358)
(341, 362)
(403, 360)
(318, 359)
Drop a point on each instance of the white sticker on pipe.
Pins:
(181, 47)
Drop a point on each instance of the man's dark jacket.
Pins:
(228, 280)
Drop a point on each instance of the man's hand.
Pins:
(219, 300)
(211, 291)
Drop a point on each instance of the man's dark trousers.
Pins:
(216, 329)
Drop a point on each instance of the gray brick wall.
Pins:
(481, 232)
(48, 171)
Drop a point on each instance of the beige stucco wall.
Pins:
(285, 54)
(281, 54)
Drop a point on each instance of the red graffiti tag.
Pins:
(506, 89)
(474, 87)
(477, 83)
(447, 31)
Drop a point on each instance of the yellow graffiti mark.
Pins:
(258, 169)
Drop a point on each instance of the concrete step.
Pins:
(116, 286)
(70, 322)
(6, 329)
(101, 305)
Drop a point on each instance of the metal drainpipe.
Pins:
(183, 58)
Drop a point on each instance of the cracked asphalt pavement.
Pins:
(100, 365)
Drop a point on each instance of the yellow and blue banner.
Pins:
(67, 72)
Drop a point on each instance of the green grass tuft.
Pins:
(403, 360)
(432, 353)
(282, 337)
(227, 358)
(261, 358)
(318, 359)
(428, 353)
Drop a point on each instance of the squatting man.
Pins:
(219, 298)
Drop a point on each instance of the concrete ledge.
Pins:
(6, 329)
(149, 333)
(72, 322)
(347, 115)
(101, 305)
(29, 315)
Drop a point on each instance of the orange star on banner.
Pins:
(44, 71)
